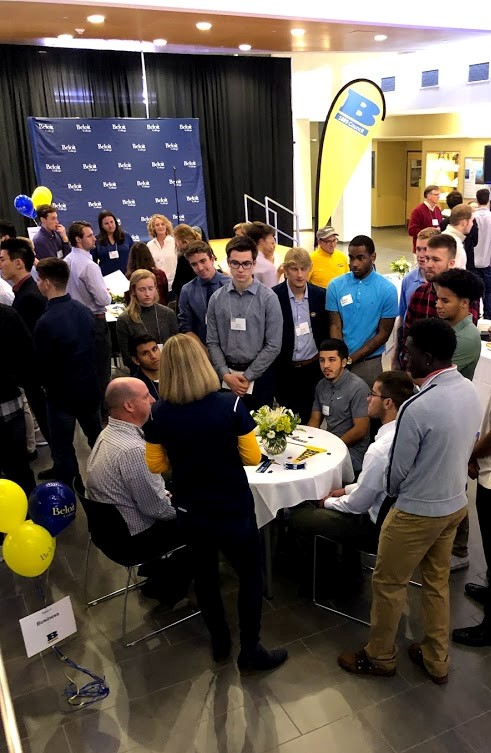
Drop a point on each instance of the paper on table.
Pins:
(249, 389)
(117, 283)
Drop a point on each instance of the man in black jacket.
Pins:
(305, 325)
(16, 260)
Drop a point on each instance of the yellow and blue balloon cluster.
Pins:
(27, 206)
(29, 545)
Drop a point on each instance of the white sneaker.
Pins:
(458, 563)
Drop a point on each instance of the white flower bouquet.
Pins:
(274, 426)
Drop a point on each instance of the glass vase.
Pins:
(275, 446)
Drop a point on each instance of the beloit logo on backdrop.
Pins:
(105, 147)
(111, 184)
(185, 127)
(161, 200)
(181, 217)
(158, 165)
(172, 146)
(74, 186)
(128, 202)
(144, 219)
(119, 127)
(136, 238)
(53, 167)
(124, 165)
(155, 127)
(90, 166)
(60, 206)
(46, 127)
(94, 204)
(143, 183)
(192, 199)
(84, 127)
(173, 182)
(139, 147)
(71, 148)
(189, 163)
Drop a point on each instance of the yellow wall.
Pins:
(389, 193)
(465, 148)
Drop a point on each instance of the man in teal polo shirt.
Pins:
(363, 308)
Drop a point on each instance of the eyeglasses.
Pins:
(375, 394)
(328, 240)
(234, 264)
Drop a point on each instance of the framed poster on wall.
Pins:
(473, 176)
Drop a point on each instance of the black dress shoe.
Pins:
(477, 592)
(476, 635)
(261, 660)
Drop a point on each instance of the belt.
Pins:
(100, 316)
(370, 358)
(307, 362)
(238, 366)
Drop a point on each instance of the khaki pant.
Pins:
(407, 541)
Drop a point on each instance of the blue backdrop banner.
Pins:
(131, 166)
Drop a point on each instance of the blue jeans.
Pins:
(62, 429)
(485, 274)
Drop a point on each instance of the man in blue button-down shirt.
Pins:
(51, 239)
(363, 306)
(195, 295)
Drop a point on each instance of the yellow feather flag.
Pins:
(352, 121)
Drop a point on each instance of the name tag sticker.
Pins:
(114, 254)
(239, 324)
(346, 299)
(434, 222)
(325, 410)
(302, 329)
(59, 254)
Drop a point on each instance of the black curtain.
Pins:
(243, 104)
(244, 108)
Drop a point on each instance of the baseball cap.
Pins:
(325, 232)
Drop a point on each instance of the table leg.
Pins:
(268, 565)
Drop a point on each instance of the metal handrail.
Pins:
(268, 211)
(8, 714)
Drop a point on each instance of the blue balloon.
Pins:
(53, 506)
(24, 206)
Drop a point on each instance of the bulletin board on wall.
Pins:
(473, 176)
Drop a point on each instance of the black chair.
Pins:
(103, 518)
(384, 509)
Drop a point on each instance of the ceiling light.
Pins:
(203, 25)
(96, 19)
(65, 37)
(245, 47)
(380, 37)
(297, 32)
(160, 42)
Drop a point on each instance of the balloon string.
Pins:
(89, 693)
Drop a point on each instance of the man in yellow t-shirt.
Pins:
(327, 263)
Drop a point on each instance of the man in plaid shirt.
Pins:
(440, 256)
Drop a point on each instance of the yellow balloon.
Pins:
(41, 195)
(29, 549)
(13, 505)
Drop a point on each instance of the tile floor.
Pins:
(167, 695)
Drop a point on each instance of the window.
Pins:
(429, 78)
(388, 84)
(478, 72)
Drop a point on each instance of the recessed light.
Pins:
(380, 37)
(203, 25)
(245, 47)
(297, 32)
(96, 19)
(160, 42)
(65, 37)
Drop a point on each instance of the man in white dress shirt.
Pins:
(349, 515)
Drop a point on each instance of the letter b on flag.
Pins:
(360, 108)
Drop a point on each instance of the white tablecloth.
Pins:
(281, 488)
(482, 376)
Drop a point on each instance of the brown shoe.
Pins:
(416, 656)
(358, 663)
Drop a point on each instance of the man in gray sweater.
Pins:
(427, 473)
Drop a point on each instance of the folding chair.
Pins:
(101, 518)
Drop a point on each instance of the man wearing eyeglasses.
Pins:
(327, 263)
(426, 214)
(245, 328)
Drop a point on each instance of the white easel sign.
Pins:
(47, 627)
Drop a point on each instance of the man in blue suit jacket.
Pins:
(305, 325)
